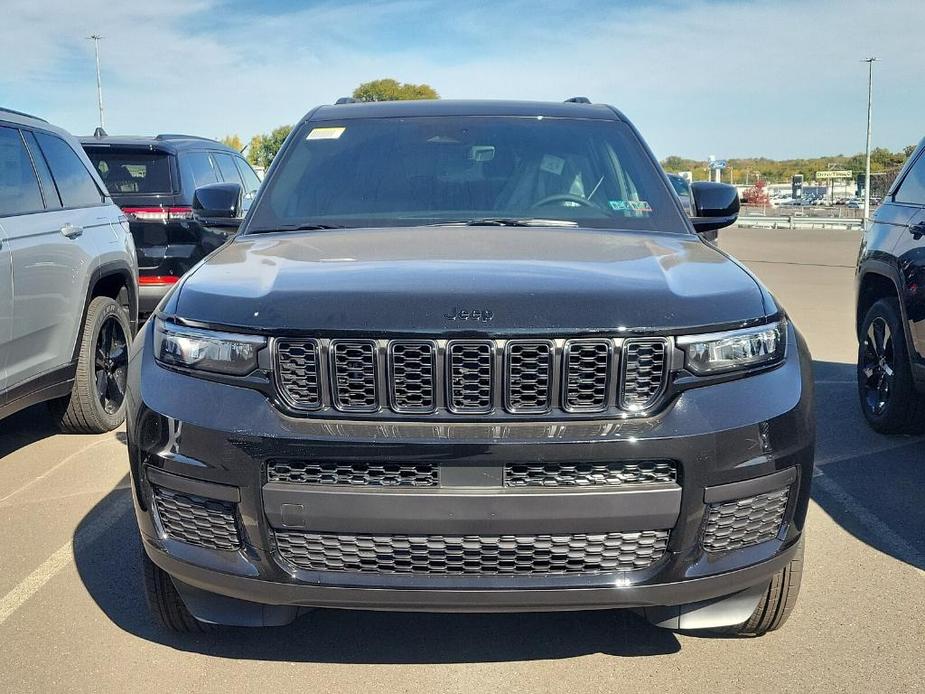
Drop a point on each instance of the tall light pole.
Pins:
(99, 83)
(870, 82)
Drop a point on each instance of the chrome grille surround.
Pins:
(348, 474)
(616, 474)
(528, 374)
(197, 520)
(485, 555)
(470, 368)
(413, 375)
(644, 370)
(586, 368)
(354, 383)
(501, 378)
(744, 522)
(298, 372)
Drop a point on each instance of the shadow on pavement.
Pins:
(872, 485)
(24, 428)
(108, 566)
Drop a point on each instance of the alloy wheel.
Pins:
(111, 365)
(877, 366)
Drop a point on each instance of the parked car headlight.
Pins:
(734, 350)
(206, 350)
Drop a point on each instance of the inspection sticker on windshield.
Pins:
(552, 164)
(325, 133)
(630, 205)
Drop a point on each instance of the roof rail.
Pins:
(180, 136)
(346, 100)
(20, 113)
(577, 100)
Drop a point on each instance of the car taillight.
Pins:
(158, 214)
(157, 279)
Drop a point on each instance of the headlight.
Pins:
(205, 350)
(734, 350)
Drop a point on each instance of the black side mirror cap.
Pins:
(716, 205)
(218, 204)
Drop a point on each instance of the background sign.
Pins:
(825, 175)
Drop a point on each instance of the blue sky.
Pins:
(778, 78)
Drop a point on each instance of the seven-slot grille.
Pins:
(617, 474)
(472, 554)
(521, 377)
(643, 373)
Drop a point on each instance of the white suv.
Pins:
(68, 280)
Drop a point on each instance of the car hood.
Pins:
(417, 279)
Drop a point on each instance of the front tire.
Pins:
(164, 602)
(97, 400)
(886, 389)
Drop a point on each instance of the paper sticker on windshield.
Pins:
(552, 164)
(325, 133)
(630, 205)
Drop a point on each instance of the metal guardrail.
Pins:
(794, 221)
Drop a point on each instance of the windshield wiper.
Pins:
(296, 227)
(506, 222)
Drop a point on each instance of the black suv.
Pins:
(891, 306)
(471, 356)
(153, 180)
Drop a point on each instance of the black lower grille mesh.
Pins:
(473, 554)
(589, 474)
(353, 474)
(197, 520)
(744, 522)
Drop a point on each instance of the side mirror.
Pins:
(218, 204)
(716, 205)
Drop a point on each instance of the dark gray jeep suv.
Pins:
(470, 356)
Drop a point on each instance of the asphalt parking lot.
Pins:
(72, 615)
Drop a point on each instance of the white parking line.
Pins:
(32, 583)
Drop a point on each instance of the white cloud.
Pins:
(729, 78)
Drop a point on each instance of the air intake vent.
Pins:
(413, 365)
(529, 376)
(353, 371)
(590, 474)
(353, 474)
(587, 375)
(744, 522)
(643, 373)
(298, 373)
(197, 520)
(473, 554)
(471, 369)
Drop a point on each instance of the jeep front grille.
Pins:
(197, 520)
(353, 474)
(485, 555)
(501, 378)
(616, 474)
(744, 522)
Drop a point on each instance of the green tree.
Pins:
(233, 141)
(264, 147)
(392, 90)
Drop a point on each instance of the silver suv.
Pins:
(68, 280)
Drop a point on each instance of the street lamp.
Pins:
(870, 81)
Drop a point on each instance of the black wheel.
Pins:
(887, 393)
(777, 602)
(97, 400)
(165, 603)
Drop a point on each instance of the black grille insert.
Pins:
(298, 372)
(529, 376)
(587, 375)
(473, 554)
(197, 520)
(471, 371)
(615, 474)
(353, 367)
(353, 474)
(744, 522)
(643, 373)
(413, 365)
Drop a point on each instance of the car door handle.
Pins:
(70, 231)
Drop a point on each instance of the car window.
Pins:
(125, 171)
(49, 189)
(199, 167)
(75, 184)
(227, 168)
(19, 188)
(912, 189)
(251, 181)
(428, 170)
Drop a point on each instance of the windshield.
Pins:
(418, 171)
(127, 172)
